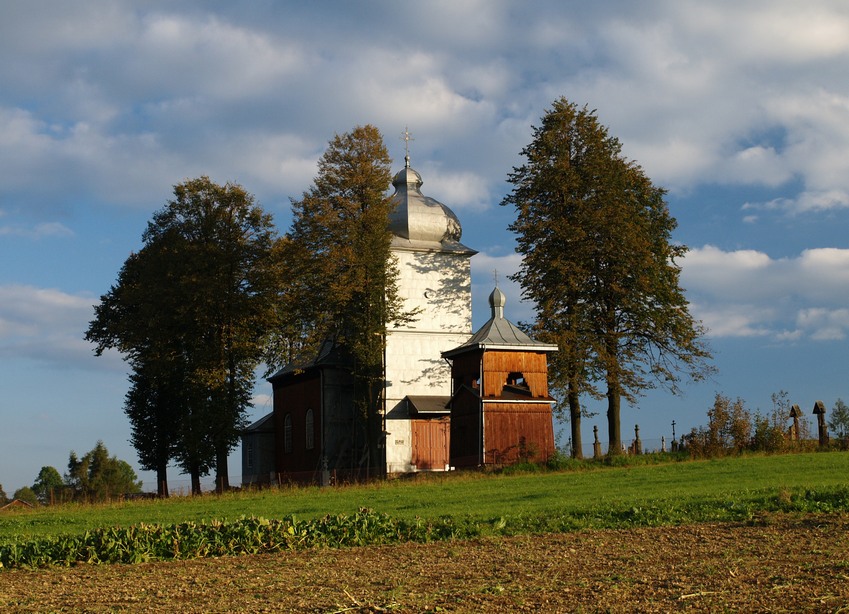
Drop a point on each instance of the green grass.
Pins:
(594, 496)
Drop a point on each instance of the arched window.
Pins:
(249, 455)
(287, 433)
(310, 430)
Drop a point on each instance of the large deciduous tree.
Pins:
(339, 243)
(598, 261)
(192, 312)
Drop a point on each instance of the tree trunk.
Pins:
(162, 481)
(222, 480)
(613, 429)
(575, 421)
(195, 474)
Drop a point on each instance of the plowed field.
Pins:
(776, 564)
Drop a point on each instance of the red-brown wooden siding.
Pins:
(430, 439)
(516, 430)
(497, 365)
(299, 464)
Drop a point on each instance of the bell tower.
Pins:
(435, 280)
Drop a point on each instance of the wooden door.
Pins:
(431, 443)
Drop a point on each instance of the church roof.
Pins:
(329, 354)
(499, 333)
(263, 425)
(419, 221)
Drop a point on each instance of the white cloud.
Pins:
(824, 324)
(746, 293)
(140, 99)
(47, 229)
(735, 320)
(210, 57)
(48, 325)
(460, 191)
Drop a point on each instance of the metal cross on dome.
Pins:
(407, 137)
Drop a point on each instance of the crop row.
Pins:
(255, 535)
(251, 535)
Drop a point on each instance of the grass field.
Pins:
(593, 496)
(654, 537)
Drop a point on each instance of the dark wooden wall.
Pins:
(294, 398)
(518, 431)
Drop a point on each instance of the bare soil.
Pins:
(777, 564)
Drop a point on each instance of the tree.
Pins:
(769, 432)
(192, 312)
(25, 493)
(48, 486)
(100, 477)
(136, 317)
(729, 426)
(346, 288)
(599, 264)
(3, 498)
(839, 421)
(155, 405)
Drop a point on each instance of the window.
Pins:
(249, 454)
(287, 433)
(310, 430)
(517, 380)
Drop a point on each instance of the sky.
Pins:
(740, 109)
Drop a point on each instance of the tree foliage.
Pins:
(346, 288)
(729, 429)
(839, 420)
(598, 261)
(26, 494)
(192, 311)
(100, 477)
(49, 486)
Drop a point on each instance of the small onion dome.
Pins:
(497, 300)
(418, 217)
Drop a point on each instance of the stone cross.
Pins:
(596, 443)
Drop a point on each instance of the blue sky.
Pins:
(739, 108)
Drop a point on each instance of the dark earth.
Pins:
(777, 563)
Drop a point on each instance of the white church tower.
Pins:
(435, 279)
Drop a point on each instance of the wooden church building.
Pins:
(451, 398)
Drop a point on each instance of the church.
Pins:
(452, 398)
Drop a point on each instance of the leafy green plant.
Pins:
(645, 490)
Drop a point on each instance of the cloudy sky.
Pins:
(739, 108)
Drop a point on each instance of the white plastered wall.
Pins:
(438, 284)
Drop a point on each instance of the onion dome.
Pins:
(496, 302)
(421, 221)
